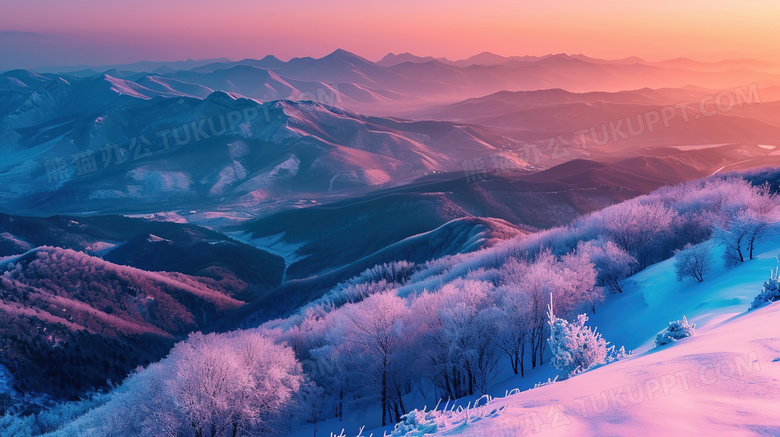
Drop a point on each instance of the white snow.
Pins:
(162, 216)
(285, 169)
(121, 86)
(654, 297)
(699, 146)
(165, 181)
(275, 245)
(229, 175)
(101, 248)
(237, 149)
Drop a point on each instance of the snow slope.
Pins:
(654, 297)
(723, 381)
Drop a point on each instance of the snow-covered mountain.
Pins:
(404, 82)
(71, 322)
(101, 139)
(187, 140)
(405, 222)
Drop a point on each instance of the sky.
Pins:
(98, 32)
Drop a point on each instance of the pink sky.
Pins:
(127, 31)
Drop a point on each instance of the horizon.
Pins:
(42, 33)
(74, 67)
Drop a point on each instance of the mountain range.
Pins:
(139, 203)
(215, 138)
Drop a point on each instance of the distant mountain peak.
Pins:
(271, 58)
(220, 97)
(392, 59)
(344, 55)
(341, 52)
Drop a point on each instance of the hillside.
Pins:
(243, 271)
(694, 384)
(622, 121)
(473, 322)
(72, 322)
(467, 318)
(723, 381)
(104, 294)
(329, 236)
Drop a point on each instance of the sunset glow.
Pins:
(406, 218)
(121, 31)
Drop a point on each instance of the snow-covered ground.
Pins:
(723, 381)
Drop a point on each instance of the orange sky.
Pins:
(178, 29)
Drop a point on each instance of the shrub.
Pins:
(575, 347)
(676, 330)
(770, 291)
(417, 423)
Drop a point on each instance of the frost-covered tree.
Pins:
(480, 354)
(612, 263)
(236, 385)
(635, 225)
(574, 346)
(570, 280)
(735, 235)
(744, 221)
(693, 261)
(676, 330)
(541, 280)
(513, 329)
(209, 385)
(579, 276)
(374, 336)
(397, 272)
(763, 205)
(458, 328)
(321, 358)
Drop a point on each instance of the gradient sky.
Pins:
(57, 32)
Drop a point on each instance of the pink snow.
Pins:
(725, 381)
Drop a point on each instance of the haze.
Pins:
(37, 33)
